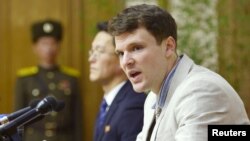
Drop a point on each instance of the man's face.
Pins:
(47, 49)
(142, 59)
(104, 64)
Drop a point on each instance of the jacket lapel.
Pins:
(182, 70)
(114, 106)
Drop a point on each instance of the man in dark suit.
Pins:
(50, 78)
(121, 118)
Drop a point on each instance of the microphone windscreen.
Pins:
(60, 105)
(46, 105)
(51, 100)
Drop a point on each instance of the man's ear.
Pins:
(169, 46)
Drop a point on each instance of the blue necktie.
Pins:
(101, 118)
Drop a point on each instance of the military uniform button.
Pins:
(50, 128)
(67, 92)
(52, 86)
(53, 113)
(35, 92)
(50, 75)
(30, 130)
(49, 133)
(50, 125)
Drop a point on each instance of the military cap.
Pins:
(46, 28)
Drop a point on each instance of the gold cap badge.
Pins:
(47, 27)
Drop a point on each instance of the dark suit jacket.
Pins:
(124, 119)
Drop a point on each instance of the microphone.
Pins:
(44, 107)
(47, 105)
(12, 116)
(60, 105)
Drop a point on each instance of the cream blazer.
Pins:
(197, 97)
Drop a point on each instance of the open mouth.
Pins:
(134, 74)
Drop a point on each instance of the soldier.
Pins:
(49, 78)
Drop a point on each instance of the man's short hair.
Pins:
(156, 21)
(102, 26)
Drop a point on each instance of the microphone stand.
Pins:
(16, 136)
(4, 139)
(20, 132)
(15, 128)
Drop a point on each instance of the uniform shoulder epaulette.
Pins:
(70, 71)
(27, 71)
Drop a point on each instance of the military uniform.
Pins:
(36, 83)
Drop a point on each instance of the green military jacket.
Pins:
(62, 82)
